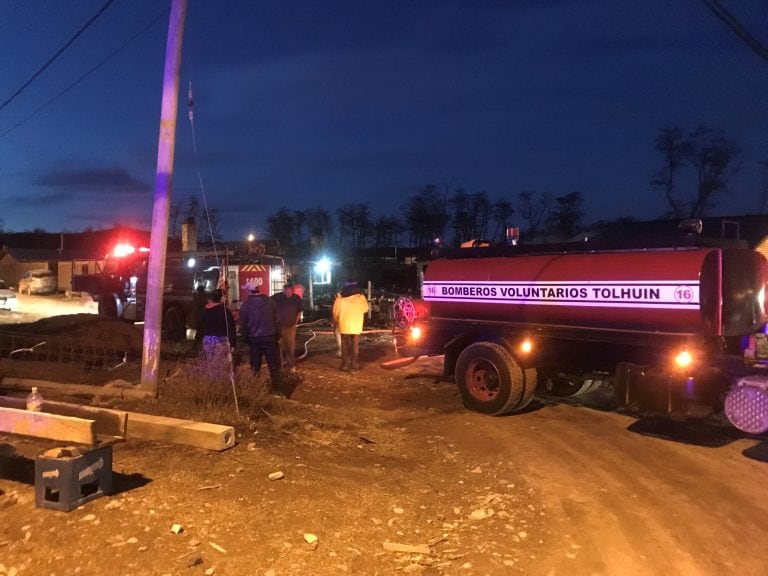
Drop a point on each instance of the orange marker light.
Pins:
(415, 333)
(526, 346)
(683, 359)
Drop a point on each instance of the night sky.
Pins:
(303, 103)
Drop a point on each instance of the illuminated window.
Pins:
(277, 279)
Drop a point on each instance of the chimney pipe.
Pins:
(189, 235)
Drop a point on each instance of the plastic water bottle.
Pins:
(35, 400)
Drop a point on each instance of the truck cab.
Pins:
(120, 288)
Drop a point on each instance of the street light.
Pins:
(322, 266)
(320, 273)
(249, 247)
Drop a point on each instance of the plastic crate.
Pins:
(66, 478)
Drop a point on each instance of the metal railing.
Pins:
(62, 349)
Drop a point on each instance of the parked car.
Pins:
(8, 300)
(39, 281)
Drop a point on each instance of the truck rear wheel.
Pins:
(490, 381)
(530, 377)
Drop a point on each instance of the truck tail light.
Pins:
(415, 333)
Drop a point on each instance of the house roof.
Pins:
(50, 255)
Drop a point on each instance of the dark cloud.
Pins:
(111, 180)
(45, 199)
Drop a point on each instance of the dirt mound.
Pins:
(90, 327)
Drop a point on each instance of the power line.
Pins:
(735, 26)
(58, 53)
(88, 73)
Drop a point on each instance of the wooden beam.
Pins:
(136, 425)
(50, 426)
(176, 431)
(10, 383)
(106, 422)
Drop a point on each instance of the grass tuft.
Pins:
(202, 387)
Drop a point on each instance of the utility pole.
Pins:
(153, 313)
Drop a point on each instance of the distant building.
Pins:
(65, 263)
(67, 254)
(750, 230)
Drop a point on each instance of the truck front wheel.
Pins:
(490, 381)
(174, 327)
(110, 306)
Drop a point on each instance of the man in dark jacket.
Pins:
(288, 313)
(258, 325)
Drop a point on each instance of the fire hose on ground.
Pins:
(389, 365)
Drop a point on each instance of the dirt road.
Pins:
(387, 459)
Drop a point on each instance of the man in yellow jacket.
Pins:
(349, 310)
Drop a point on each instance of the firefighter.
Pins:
(349, 310)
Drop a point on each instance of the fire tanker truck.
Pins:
(120, 287)
(664, 326)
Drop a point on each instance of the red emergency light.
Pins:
(122, 250)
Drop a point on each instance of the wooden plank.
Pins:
(51, 426)
(177, 431)
(10, 383)
(106, 422)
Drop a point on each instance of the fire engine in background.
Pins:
(120, 287)
(665, 326)
(267, 276)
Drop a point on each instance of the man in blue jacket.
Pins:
(259, 327)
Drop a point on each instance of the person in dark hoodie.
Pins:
(259, 327)
(218, 327)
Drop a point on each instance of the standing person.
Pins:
(259, 327)
(289, 308)
(349, 309)
(217, 326)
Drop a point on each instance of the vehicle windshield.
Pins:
(177, 272)
(126, 266)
